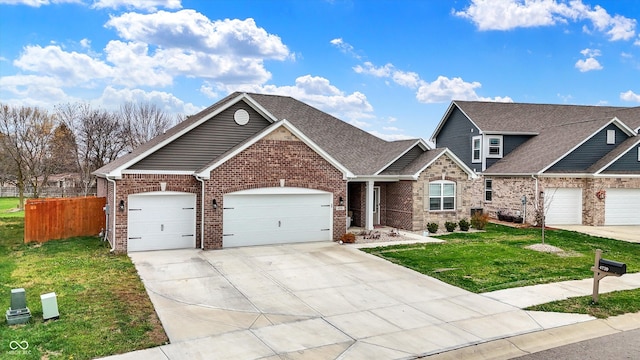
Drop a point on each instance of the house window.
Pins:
(638, 153)
(442, 195)
(488, 189)
(495, 146)
(611, 137)
(476, 146)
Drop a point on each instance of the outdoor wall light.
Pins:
(121, 206)
(341, 201)
(215, 204)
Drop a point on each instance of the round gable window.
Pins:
(241, 117)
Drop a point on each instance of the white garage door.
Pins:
(161, 220)
(276, 216)
(563, 206)
(622, 207)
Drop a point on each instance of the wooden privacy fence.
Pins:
(61, 218)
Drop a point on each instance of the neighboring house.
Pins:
(262, 169)
(585, 159)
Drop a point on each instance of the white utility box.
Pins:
(49, 306)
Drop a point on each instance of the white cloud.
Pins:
(390, 128)
(71, 68)
(590, 52)
(318, 92)
(511, 14)
(588, 64)
(407, 79)
(191, 30)
(33, 90)
(149, 5)
(369, 69)
(113, 98)
(391, 137)
(630, 96)
(345, 47)
(38, 3)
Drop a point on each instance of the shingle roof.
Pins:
(497, 117)
(359, 151)
(418, 163)
(613, 154)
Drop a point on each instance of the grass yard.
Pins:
(103, 306)
(497, 259)
(609, 304)
(9, 207)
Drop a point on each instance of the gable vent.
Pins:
(241, 117)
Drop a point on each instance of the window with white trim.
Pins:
(638, 153)
(442, 195)
(494, 144)
(611, 137)
(488, 189)
(476, 149)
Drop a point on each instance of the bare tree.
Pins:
(26, 135)
(62, 150)
(99, 138)
(142, 122)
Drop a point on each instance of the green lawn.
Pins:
(497, 259)
(103, 306)
(8, 207)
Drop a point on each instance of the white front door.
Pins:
(376, 205)
(276, 216)
(161, 220)
(622, 207)
(563, 206)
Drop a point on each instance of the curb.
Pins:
(520, 345)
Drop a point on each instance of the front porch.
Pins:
(378, 203)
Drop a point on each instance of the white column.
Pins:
(369, 206)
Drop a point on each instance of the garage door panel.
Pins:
(160, 221)
(563, 206)
(259, 219)
(622, 207)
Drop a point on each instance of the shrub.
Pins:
(432, 228)
(450, 226)
(464, 225)
(479, 221)
(348, 238)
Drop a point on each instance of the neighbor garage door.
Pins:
(161, 220)
(276, 216)
(563, 206)
(622, 207)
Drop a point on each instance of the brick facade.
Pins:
(508, 191)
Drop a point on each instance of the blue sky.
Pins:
(388, 67)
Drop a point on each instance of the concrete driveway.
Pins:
(318, 300)
(628, 233)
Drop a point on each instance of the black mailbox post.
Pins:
(611, 266)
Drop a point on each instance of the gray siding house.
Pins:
(575, 164)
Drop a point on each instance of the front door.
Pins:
(376, 205)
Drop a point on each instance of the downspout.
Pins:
(201, 212)
(113, 208)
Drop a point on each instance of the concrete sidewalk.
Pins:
(324, 300)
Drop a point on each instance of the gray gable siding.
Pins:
(589, 152)
(456, 134)
(204, 143)
(405, 159)
(626, 163)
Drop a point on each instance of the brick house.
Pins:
(581, 164)
(258, 169)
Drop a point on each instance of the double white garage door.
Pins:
(167, 220)
(564, 206)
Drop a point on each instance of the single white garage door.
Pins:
(276, 216)
(622, 207)
(161, 220)
(563, 206)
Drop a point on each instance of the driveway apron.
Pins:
(315, 300)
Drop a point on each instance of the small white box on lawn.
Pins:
(49, 306)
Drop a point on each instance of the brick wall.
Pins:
(278, 156)
(399, 209)
(442, 169)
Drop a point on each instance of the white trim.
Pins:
(638, 153)
(277, 190)
(157, 172)
(419, 142)
(611, 137)
(488, 189)
(479, 149)
(442, 196)
(205, 173)
(622, 126)
(488, 146)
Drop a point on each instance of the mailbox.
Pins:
(612, 266)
